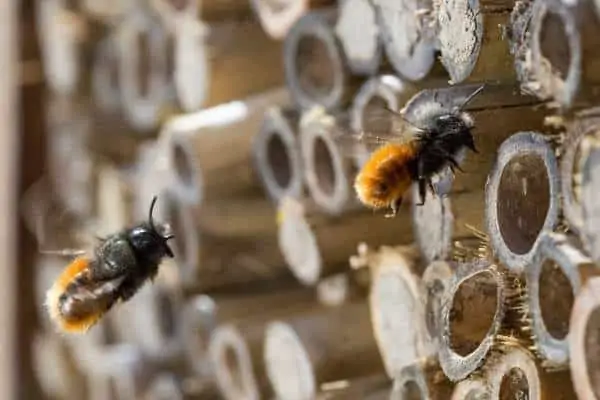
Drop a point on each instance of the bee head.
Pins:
(150, 239)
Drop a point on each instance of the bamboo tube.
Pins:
(315, 66)
(471, 389)
(173, 11)
(554, 46)
(434, 283)
(571, 161)
(236, 352)
(278, 16)
(512, 372)
(362, 47)
(143, 74)
(335, 290)
(316, 246)
(407, 35)
(105, 11)
(460, 200)
(397, 305)
(208, 262)
(210, 151)
(60, 32)
(277, 156)
(326, 345)
(524, 181)
(554, 279)
(583, 333)
(329, 171)
(115, 199)
(70, 163)
(474, 307)
(202, 314)
(371, 387)
(589, 204)
(55, 369)
(419, 381)
(471, 41)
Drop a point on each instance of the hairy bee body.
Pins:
(434, 145)
(90, 286)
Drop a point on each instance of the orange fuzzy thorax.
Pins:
(79, 325)
(387, 166)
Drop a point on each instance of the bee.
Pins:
(413, 151)
(121, 263)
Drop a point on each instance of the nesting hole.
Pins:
(178, 5)
(473, 311)
(554, 44)
(324, 169)
(514, 385)
(143, 63)
(232, 364)
(279, 160)
(556, 299)
(113, 70)
(523, 202)
(183, 165)
(412, 391)
(179, 241)
(375, 117)
(314, 68)
(592, 350)
(166, 310)
(170, 59)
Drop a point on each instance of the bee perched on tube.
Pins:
(412, 151)
(91, 285)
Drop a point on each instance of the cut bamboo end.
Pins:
(553, 281)
(375, 95)
(328, 172)
(435, 282)
(584, 333)
(397, 312)
(472, 314)
(589, 203)
(198, 320)
(315, 68)
(298, 243)
(419, 381)
(512, 372)
(334, 290)
(325, 345)
(143, 68)
(524, 181)
(460, 36)
(572, 159)
(188, 182)
(407, 37)
(471, 389)
(232, 363)
(277, 155)
(292, 377)
(362, 47)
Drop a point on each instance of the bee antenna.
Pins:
(150, 219)
(401, 116)
(471, 97)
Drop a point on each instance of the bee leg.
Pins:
(422, 191)
(395, 206)
(454, 164)
(430, 183)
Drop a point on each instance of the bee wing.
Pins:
(56, 231)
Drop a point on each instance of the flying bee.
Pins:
(412, 151)
(91, 285)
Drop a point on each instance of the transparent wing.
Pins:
(55, 229)
(376, 127)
